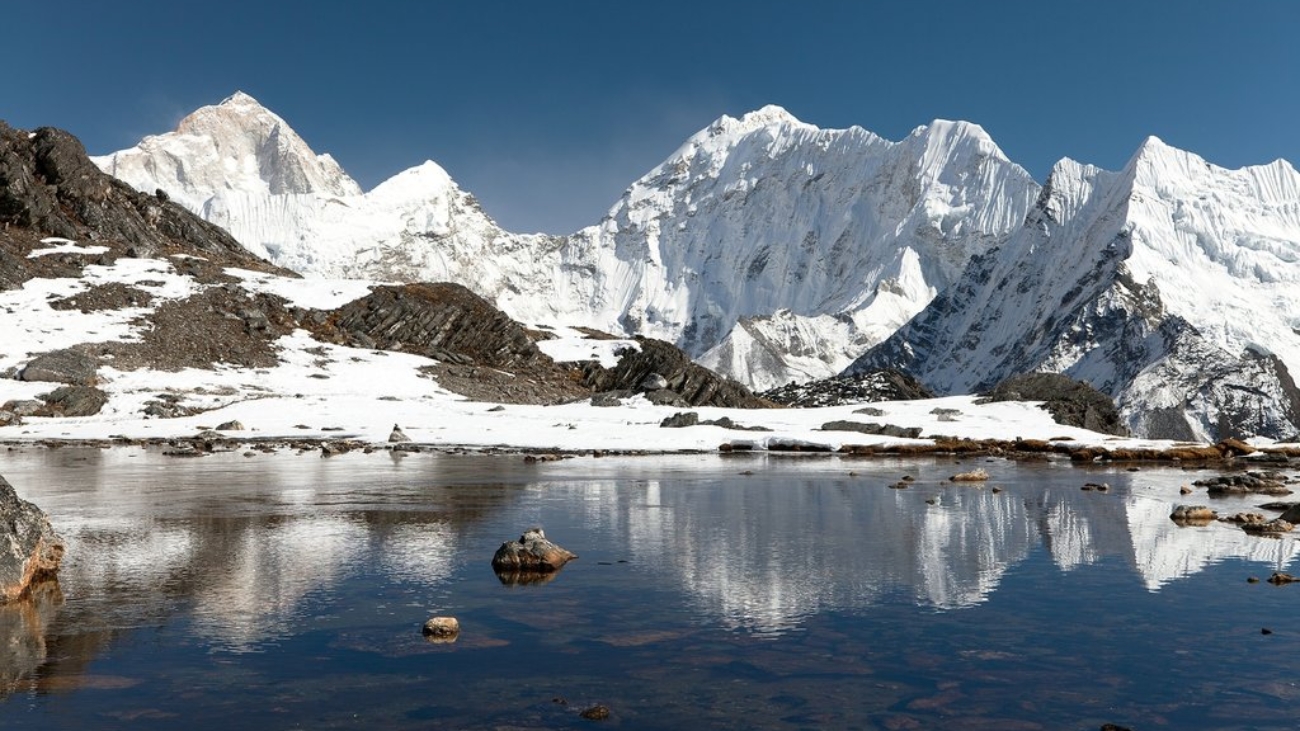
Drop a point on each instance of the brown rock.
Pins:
(1192, 515)
(1231, 447)
(442, 629)
(29, 548)
(533, 552)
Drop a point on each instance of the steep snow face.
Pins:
(237, 146)
(765, 213)
(1222, 246)
(1155, 284)
(838, 235)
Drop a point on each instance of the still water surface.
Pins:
(288, 592)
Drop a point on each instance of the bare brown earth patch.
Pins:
(221, 325)
(112, 296)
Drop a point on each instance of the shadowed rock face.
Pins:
(692, 384)
(1070, 402)
(443, 321)
(883, 385)
(29, 549)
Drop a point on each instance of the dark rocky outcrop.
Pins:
(881, 385)
(533, 552)
(73, 401)
(70, 365)
(30, 551)
(685, 383)
(49, 187)
(684, 419)
(483, 354)
(887, 430)
(443, 321)
(1070, 402)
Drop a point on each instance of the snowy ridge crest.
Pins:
(847, 232)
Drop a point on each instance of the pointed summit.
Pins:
(239, 98)
(235, 147)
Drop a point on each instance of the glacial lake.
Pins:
(288, 591)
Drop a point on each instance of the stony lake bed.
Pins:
(721, 591)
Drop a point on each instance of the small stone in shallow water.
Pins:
(444, 629)
(1278, 578)
(1252, 579)
(596, 713)
(533, 552)
(978, 475)
(1192, 514)
(1266, 631)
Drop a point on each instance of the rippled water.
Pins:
(288, 591)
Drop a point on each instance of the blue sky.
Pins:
(548, 110)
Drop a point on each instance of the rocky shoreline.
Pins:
(1228, 453)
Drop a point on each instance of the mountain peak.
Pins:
(239, 99)
(953, 134)
(237, 146)
(768, 115)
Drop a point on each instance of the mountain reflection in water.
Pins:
(249, 553)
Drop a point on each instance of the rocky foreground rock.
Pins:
(30, 551)
(533, 552)
(1070, 402)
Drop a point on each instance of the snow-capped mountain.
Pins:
(772, 249)
(1172, 285)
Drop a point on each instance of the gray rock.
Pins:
(685, 382)
(73, 401)
(652, 382)
(887, 430)
(30, 551)
(9, 418)
(230, 426)
(1291, 515)
(69, 366)
(606, 399)
(1070, 402)
(25, 407)
(397, 435)
(533, 552)
(680, 420)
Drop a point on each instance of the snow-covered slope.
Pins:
(234, 149)
(1172, 285)
(822, 241)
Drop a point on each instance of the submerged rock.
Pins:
(533, 552)
(29, 548)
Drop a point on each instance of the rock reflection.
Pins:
(23, 627)
(526, 578)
